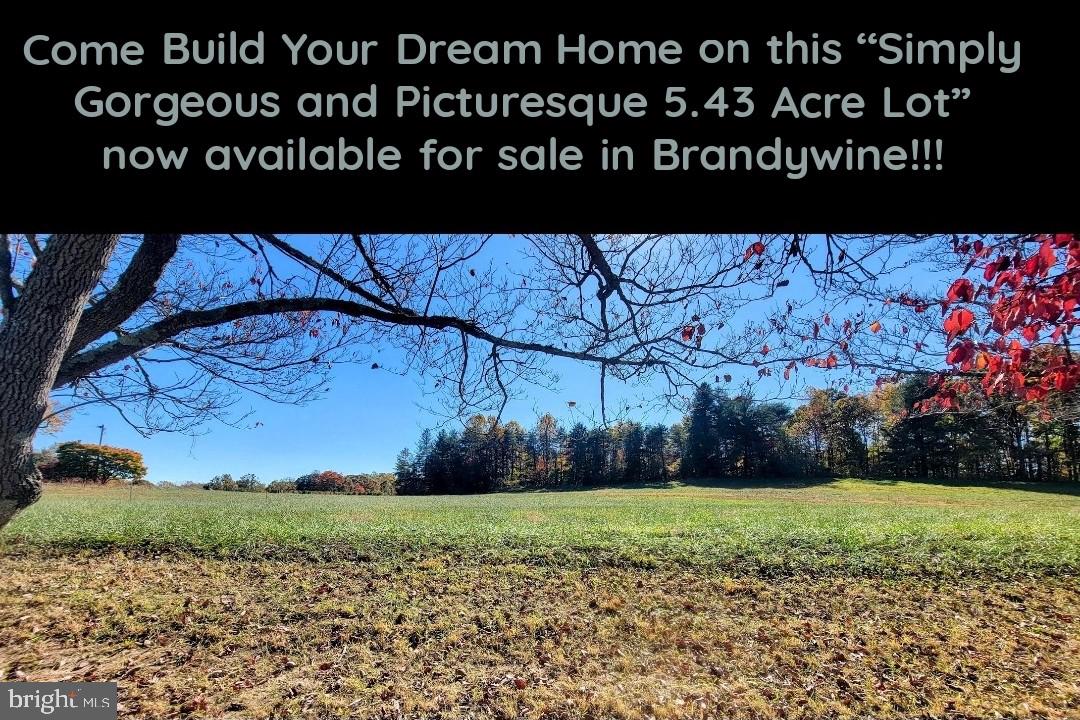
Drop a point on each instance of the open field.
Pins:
(838, 599)
(850, 526)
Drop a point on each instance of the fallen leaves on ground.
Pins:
(447, 637)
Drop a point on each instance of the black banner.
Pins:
(318, 123)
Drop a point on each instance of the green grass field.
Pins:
(846, 525)
(837, 599)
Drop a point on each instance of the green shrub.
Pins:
(249, 483)
(221, 482)
(225, 481)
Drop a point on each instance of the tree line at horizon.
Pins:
(834, 433)
(878, 433)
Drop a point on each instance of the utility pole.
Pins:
(101, 441)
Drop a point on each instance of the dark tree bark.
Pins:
(33, 341)
(135, 286)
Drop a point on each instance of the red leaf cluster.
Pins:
(961, 291)
(693, 332)
(958, 322)
(1026, 295)
(756, 249)
(826, 363)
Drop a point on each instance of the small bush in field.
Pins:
(249, 483)
(306, 483)
(221, 482)
(246, 483)
(286, 485)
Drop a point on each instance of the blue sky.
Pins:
(366, 418)
(361, 424)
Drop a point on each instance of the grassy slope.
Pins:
(850, 526)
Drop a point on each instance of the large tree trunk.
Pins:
(33, 341)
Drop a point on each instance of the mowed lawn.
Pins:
(842, 598)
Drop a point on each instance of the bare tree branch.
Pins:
(97, 358)
(134, 288)
(376, 274)
(640, 306)
(329, 272)
(35, 246)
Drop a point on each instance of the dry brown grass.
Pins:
(448, 637)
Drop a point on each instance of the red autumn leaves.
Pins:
(826, 363)
(1026, 295)
(958, 322)
(757, 248)
(842, 333)
(1006, 332)
(961, 291)
(690, 331)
